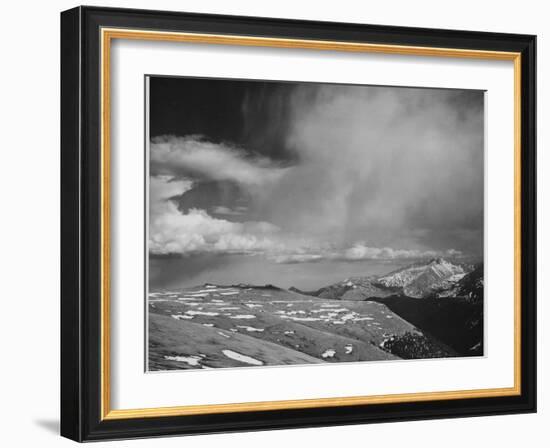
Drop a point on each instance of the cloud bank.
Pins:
(395, 167)
(193, 156)
(376, 174)
(173, 232)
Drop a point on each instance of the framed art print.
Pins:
(274, 224)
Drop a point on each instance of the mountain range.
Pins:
(428, 309)
(435, 278)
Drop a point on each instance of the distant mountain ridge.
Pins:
(438, 296)
(353, 288)
(437, 277)
(424, 279)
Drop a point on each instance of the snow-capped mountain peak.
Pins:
(422, 279)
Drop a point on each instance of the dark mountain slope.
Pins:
(457, 322)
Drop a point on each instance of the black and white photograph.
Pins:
(281, 220)
(309, 223)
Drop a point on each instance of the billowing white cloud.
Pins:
(360, 251)
(174, 232)
(193, 156)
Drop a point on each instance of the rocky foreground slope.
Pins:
(358, 319)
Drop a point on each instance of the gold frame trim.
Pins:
(107, 35)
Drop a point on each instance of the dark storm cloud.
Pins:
(267, 120)
(389, 166)
(249, 114)
(307, 172)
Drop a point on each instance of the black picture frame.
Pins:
(81, 382)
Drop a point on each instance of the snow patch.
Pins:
(190, 360)
(250, 329)
(476, 346)
(201, 313)
(242, 358)
(304, 319)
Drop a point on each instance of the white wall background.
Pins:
(29, 325)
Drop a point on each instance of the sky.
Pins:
(306, 183)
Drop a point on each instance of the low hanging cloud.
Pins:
(360, 252)
(173, 232)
